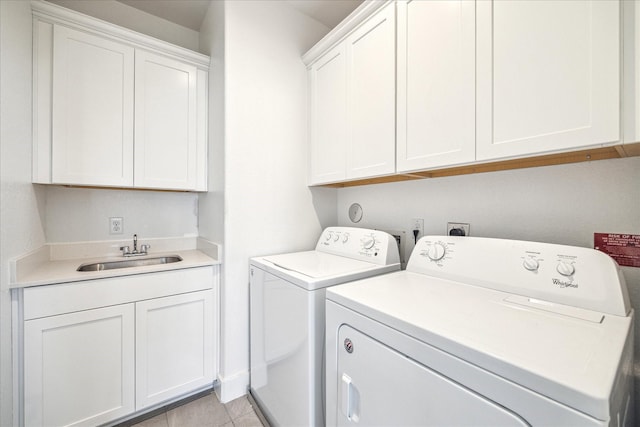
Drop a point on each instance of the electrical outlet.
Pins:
(458, 229)
(417, 224)
(116, 225)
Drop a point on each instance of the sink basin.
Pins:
(128, 263)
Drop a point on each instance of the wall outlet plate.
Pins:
(417, 224)
(116, 225)
(453, 229)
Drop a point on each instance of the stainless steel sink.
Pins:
(128, 263)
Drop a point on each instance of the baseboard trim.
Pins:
(233, 386)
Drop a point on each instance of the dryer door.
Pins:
(380, 386)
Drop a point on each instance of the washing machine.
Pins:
(483, 332)
(287, 308)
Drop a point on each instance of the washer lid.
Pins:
(317, 265)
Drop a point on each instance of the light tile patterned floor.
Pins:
(207, 412)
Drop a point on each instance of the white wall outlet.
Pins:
(458, 229)
(417, 224)
(116, 225)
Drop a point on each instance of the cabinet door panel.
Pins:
(174, 346)
(548, 76)
(328, 81)
(92, 124)
(371, 51)
(166, 123)
(79, 367)
(436, 83)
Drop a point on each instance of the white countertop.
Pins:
(46, 267)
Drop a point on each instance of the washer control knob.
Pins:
(345, 238)
(531, 264)
(565, 268)
(336, 237)
(328, 236)
(436, 251)
(368, 242)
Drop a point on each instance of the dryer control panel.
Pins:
(374, 246)
(569, 275)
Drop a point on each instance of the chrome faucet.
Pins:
(143, 248)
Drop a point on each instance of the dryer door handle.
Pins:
(350, 399)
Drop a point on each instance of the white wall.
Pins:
(81, 214)
(21, 205)
(267, 205)
(134, 19)
(557, 204)
(212, 203)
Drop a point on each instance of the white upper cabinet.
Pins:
(548, 76)
(371, 52)
(115, 108)
(352, 91)
(328, 82)
(165, 116)
(92, 110)
(436, 83)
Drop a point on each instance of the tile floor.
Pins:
(207, 411)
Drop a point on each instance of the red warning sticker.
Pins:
(624, 248)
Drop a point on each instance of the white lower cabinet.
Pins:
(79, 367)
(99, 351)
(174, 346)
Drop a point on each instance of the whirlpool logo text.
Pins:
(564, 284)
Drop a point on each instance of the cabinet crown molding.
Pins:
(61, 15)
(350, 23)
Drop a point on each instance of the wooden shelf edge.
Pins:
(588, 155)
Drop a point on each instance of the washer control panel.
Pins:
(569, 275)
(360, 243)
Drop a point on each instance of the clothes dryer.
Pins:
(483, 332)
(287, 306)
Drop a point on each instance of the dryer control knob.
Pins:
(436, 251)
(565, 268)
(368, 242)
(531, 264)
(345, 238)
(328, 236)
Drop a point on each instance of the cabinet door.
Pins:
(174, 346)
(92, 124)
(371, 53)
(79, 367)
(166, 123)
(436, 83)
(548, 76)
(328, 82)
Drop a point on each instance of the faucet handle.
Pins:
(144, 248)
(125, 250)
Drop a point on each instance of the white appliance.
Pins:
(483, 332)
(287, 296)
